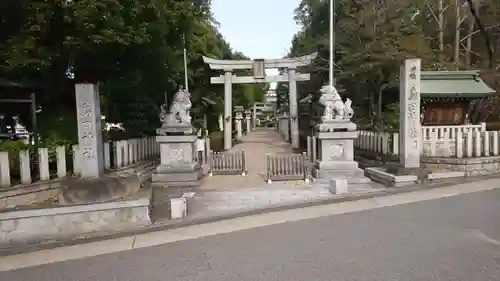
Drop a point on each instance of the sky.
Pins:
(257, 28)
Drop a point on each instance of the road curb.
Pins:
(27, 248)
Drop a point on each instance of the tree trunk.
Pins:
(441, 27)
(483, 31)
(468, 60)
(456, 48)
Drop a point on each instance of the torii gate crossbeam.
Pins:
(259, 66)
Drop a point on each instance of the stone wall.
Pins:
(470, 166)
(46, 192)
(29, 194)
(64, 222)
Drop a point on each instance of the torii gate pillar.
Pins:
(259, 76)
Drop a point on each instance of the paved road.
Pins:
(454, 238)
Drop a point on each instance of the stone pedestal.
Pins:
(336, 153)
(175, 129)
(178, 166)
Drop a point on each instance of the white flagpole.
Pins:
(185, 65)
(332, 42)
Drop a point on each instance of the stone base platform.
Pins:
(31, 225)
(189, 175)
(324, 171)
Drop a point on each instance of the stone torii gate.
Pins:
(258, 66)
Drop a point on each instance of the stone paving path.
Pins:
(222, 194)
(256, 144)
(229, 194)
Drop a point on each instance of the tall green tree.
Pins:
(372, 37)
(132, 49)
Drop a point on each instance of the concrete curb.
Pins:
(26, 248)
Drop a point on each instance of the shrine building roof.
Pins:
(453, 84)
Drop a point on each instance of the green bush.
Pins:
(216, 141)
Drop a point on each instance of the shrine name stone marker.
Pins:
(90, 145)
(409, 117)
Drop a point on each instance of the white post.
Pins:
(395, 144)
(61, 161)
(469, 145)
(477, 144)
(254, 116)
(409, 118)
(495, 143)
(433, 143)
(4, 169)
(239, 128)
(332, 43)
(43, 164)
(292, 102)
(77, 164)
(118, 154)
(228, 107)
(186, 81)
(459, 145)
(136, 150)
(486, 143)
(130, 147)
(24, 165)
(107, 156)
(125, 153)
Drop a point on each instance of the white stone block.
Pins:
(24, 166)
(43, 165)
(338, 186)
(61, 161)
(178, 208)
(4, 169)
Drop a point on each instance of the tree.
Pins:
(132, 49)
(372, 37)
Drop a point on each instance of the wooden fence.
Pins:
(227, 163)
(283, 167)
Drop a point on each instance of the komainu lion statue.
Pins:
(335, 109)
(179, 110)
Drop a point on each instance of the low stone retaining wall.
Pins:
(62, 222)
(47, 191)
(389, 179)
(29, 194)
(32, 213)
(477, 166)
(470, 166)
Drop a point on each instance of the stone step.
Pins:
(352, 179)
(360, 180)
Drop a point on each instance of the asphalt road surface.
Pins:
(455, 238)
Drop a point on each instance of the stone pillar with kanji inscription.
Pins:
(90, 144)
(410, 140)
